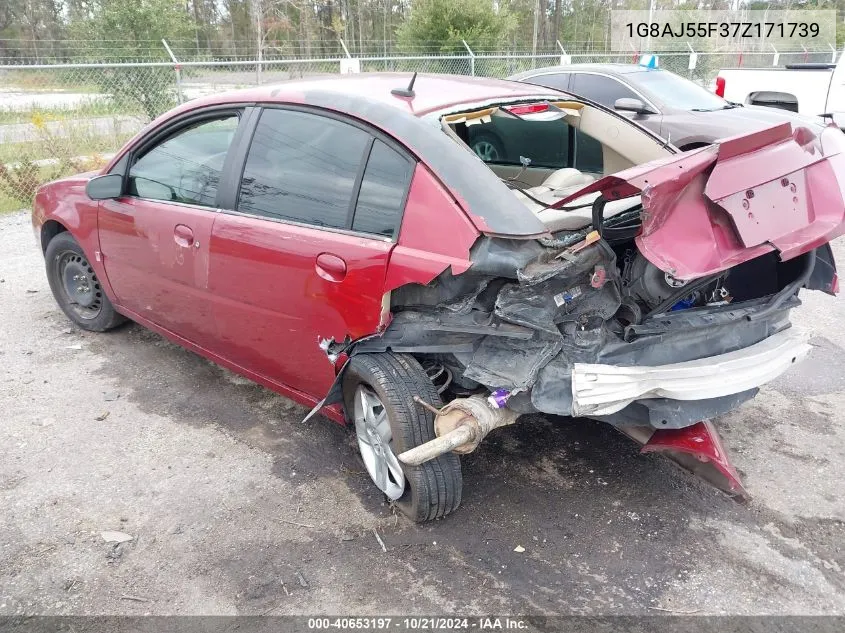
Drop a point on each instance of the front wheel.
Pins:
(75, 286)
(378, 392)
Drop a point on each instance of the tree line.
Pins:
(131, 30)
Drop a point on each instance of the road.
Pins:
(236, 507)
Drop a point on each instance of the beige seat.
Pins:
(563, 183)
(566, 179)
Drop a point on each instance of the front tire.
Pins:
(76, 288)
(378, 392)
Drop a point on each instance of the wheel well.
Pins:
(49, 230)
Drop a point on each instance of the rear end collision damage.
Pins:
(653, 319)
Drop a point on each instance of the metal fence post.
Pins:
(471, 58)
(178, 68)
(565, 58)
(693, 60)
(345, 50)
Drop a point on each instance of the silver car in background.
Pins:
(675, 108)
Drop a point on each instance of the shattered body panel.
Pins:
(563, 298)
(713, 208)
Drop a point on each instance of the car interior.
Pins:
(541, 167)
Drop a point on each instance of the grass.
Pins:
(85, 145)
(68, 80)
(9, 204)
(67, 138)
(20, 177)
(86, 109)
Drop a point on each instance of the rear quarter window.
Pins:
(383, 190)
(601, 89)
(557, 81)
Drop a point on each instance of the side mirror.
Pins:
(628, 104)
(105, 187)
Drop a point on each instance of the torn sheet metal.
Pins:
(698, 449)
(511, 363)
(554, 289)
(707, 210)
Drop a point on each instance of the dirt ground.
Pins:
(236, 507)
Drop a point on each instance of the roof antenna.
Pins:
(405, 92)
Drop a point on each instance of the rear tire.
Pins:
(488, 147)
(433, 489)
(76, 288)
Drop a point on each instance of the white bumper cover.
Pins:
(606, 389)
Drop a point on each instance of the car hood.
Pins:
(710, 209)
(744, 119)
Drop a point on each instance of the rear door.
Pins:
(299, 256)
(155, 237)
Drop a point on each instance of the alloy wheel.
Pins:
(486, 151)
(375, 440)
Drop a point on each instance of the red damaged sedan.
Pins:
(337, 241)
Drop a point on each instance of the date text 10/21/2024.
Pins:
(418, 624)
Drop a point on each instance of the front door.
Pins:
(302, 258)
(155, 239)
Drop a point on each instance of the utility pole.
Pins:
(259, 32)
(536, 27)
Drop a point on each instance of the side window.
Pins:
(185, 167)
(382, 194)
(589, 155)
(557, 81)
(505, 139)
(302, 167)
(601, 89)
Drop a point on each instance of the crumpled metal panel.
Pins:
(510, 363)
(707, 210)
(699, 449)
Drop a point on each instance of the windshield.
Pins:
(677, 92)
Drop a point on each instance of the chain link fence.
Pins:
(59, 119)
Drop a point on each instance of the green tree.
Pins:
(442, 24)
(133, 28)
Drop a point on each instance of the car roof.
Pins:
(609, 69)
(431, 92)
(368, 98)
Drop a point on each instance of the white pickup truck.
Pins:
(812, 89)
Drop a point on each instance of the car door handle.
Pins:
(183, 235)
(330, 267)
